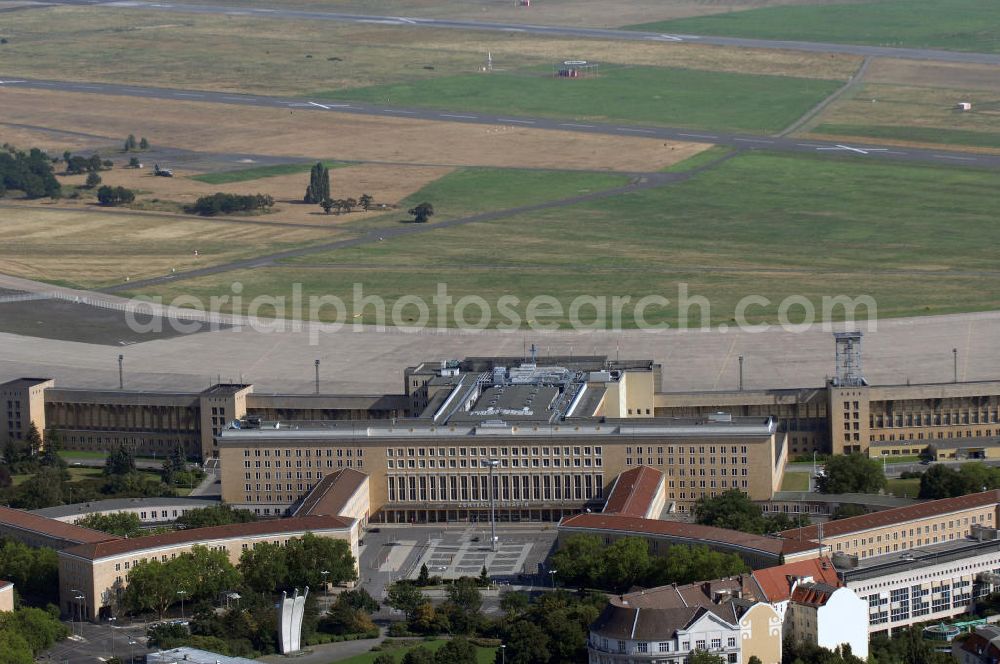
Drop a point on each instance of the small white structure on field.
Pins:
(290, 611)
(488, 67)
(964, 106)
(576, 69)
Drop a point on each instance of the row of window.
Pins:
(410, 488)
(586, 462)
(494, 452)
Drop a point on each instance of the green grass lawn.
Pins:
(795, 482)
(908, 488)
(960, 25)
(258, 172)
(78, 474)
(917, 239)
(652, 95)
(483, 655)
(914, 134)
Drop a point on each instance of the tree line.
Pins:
(940, 481)
(28, 172)
(221, 203)
(584, 561)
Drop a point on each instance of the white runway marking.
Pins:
(698, 135)
(638, 131)
(753, 140)
(451, 115)
(325, 108)
(570, 124)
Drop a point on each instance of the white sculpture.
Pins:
(290, 611)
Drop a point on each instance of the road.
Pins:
(801, 146)
(551, 31)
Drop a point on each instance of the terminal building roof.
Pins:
(66, 532)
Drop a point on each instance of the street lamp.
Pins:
(324, 574)
(182, 593)
(492, 463)
(552, 575)
(131, 650)
(78, 597)
(503, 654)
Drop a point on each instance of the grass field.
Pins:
(483, 655)
(475, 190)
(795, 482)
(912, 134)
(795, 226)
(269, 56)
(915, 114)
(94, 249)
(79, 474)
(960, 25)
(654, 95)
(908, 488)
(259, 172)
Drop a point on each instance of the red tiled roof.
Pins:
(330, 494)
(696, 534)
(812, 595)
(634, 491)
(198, 535)
(894, 516)
(775, 582)
(51, 528)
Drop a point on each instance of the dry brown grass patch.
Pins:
(314, 134)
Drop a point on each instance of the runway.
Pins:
(868, 151)
(551, 31)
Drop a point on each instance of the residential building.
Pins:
(814, 605)
(666, 625)
(981, 647)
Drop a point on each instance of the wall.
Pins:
(7, 597)
(842, 620)
(760, 635)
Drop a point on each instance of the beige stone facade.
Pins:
(6, 596)
(421, 472)
(22, 403)
(92, 577)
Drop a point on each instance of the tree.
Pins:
(33, 571)
(130, 143)
(731, 509)
(404, 597)
(580, 560)
(123, 524)
(514, 604)
(484, 577)
(943, 482)
(5, 479)
(419, 655)
(217, 515)
(143, 143)
(93, 179)
(852, 473)
(319, 184)
(263, 567)
(365, 201)
(847, 511)
(463, 605)
(349, 204)
(114, 196)
(421, 213)
(33, 440)
(754, 659)
(28, 172)
(456, 651)
(384, 658)
(121, 461)
(327, 205)
(703, 657)
(627, 562)
(424, 578)
(527, 644)
(133, 162)
(152, 586)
